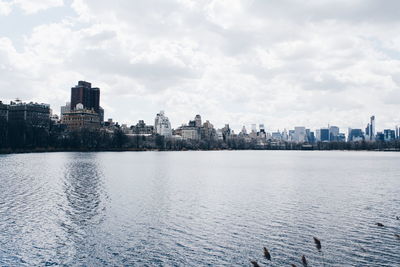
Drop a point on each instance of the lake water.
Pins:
(199, 208)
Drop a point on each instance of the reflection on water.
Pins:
(199, 208)
(85, 204)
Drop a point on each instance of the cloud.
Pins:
(5, 7)
(28, 6)
(281, 63)
(34, 6)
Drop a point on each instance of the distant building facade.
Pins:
(299, 134)
(370, 130)
(389, 135)
(334, 133)
(81, 118)
(355, 135)
(4, 109)
(142, 129)
(65, 109)
(34, 114)
(324, 135)
(162, 126)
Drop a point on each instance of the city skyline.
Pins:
(241, 62)
(87, 100)
(86, 97)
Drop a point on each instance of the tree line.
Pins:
(25, 137)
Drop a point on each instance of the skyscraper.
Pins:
(389, 134)
(370, 130)
(65, 109)
(324, 135)
(334, 133)
(86, 95)
(162, 126)
(197, 120)
(299, 134)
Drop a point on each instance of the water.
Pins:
(199, 208)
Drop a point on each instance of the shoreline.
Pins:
(42, 150)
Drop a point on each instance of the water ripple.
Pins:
(199, 208)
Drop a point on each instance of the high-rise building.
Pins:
(285, 135)
(197, 120)
(162, 126)
(208, 132)
(379, 136)
(310, 136)
(324, 135)
(370, 130)
(389, 135)
(334, 133)
(318, 135)
(101, 115)
(226, 132)
(65, 109)
(341, 137)
(276, 136)
(355, 135)
(299, 134)
(84, 94)
(244, 130)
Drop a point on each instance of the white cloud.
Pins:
(34, 6)
(5, 7)
(28, 6)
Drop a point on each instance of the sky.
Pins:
(280, 63)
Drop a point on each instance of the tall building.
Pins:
(226, 132)
(324, 135)
(162, 126)
(285, 135)
(197, 120)
(310, 136)
(334, 133)
(101, 115)
(244, 131)
(370, 130)
(84, 94)
(355, 135)
(208, 132)
(389, 135)
(299, 134)
(65, 109)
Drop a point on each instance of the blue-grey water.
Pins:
(199, 208)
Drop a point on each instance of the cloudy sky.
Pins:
(282, 63)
